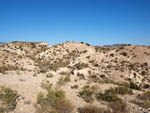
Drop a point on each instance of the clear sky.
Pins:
(97, 22)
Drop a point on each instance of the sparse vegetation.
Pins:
(59, 63)
(122, 90)
(144, 100)
(111, 95)
(81, 66)
(46, 84)
(7, 68)
(108, 96)
(8, 99)
(142, 103)
(87, 94)
(119, 107)
(73, 65)
(124, 84)
(94, 78)
(53, 102)
(74, 87)
(81, 76)
(34, 74)
(63, 80)
(90, 109)
(134, 86)
(49, 75)
(65, 73)
(124, 53)
(145, 96)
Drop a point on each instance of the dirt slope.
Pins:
(25, 66)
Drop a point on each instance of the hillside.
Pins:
(89, 75)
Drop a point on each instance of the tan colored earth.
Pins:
(24, 65)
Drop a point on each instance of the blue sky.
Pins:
(97, 22)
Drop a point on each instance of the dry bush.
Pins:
(65, 73)
(142, 103)
(90, 109)
(46, 84)
(145, 96)
(63, 106)
(144, 100)
(63, 80)
(94, 78)
(119, 107)
(124, 54)
(49, 75)
(74, 87)
(81, 76)
(81, 66)
(7, 68)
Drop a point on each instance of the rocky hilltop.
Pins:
(74, 77)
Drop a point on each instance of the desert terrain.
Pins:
(74, 77)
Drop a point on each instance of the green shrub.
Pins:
(53, 102)
(108, 96)
(60, 94)
(87, 94)
(122, 90)
(134, 86)
(8, 98)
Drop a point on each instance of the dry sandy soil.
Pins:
(25, 66)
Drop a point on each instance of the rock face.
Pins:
(25, 65)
